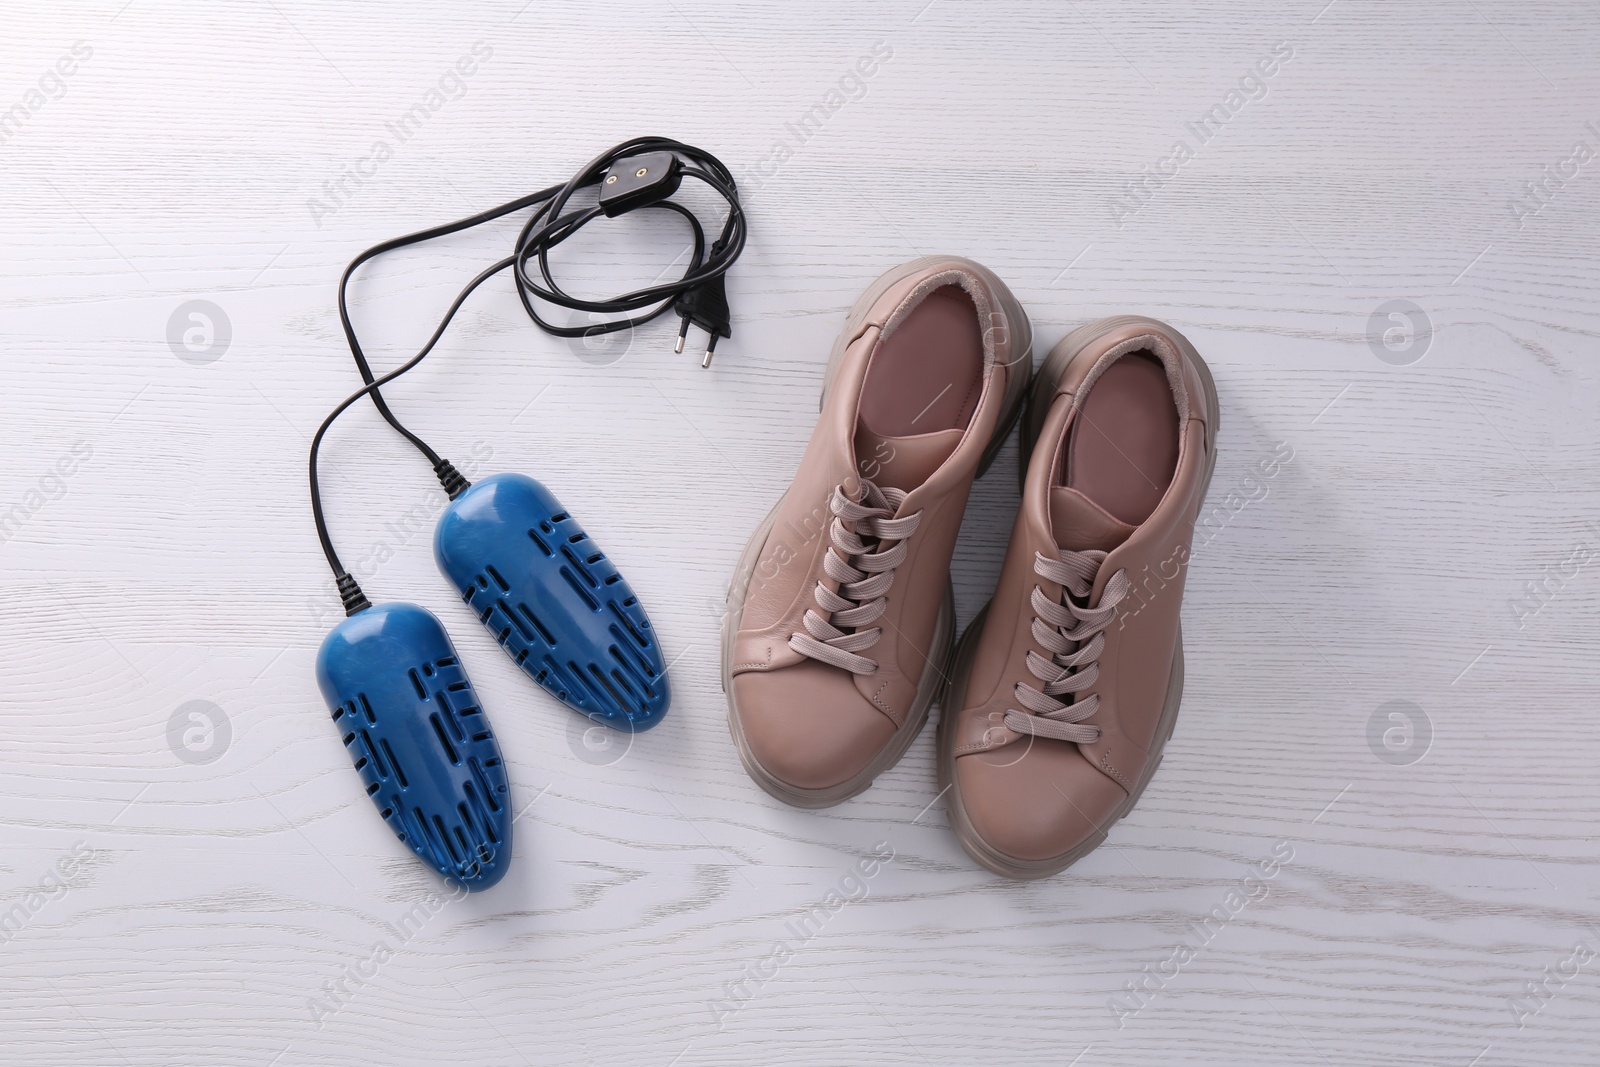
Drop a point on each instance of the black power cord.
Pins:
(641, 173)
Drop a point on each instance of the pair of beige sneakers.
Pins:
(1062, 693)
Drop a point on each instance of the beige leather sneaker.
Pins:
(1066, 687)
(840, 619)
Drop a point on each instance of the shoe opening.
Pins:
(1122, 450)
(922, 385)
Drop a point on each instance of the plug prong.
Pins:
(683, 332)
(711, 346)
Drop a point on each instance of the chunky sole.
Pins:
(934, 676)
(1043, 391)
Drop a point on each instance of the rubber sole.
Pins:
(1043, 391)
(934, 676)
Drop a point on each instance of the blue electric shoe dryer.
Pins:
(420, 740)
(553, 600)
(398, 693)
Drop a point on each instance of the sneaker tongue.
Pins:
(903, 462)
(1080, 524)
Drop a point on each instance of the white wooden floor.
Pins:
(189, 872)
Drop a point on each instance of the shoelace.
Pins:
(864, 573)
(1073, 636)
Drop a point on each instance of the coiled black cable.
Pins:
(697, 295)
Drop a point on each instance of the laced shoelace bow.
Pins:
(864, 572)
(1074, 638)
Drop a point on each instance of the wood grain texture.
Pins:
(210, 905)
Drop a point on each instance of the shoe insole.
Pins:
(927, 374)
(1123, 447)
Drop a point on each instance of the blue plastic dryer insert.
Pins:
(421, 742)
(553, 600)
